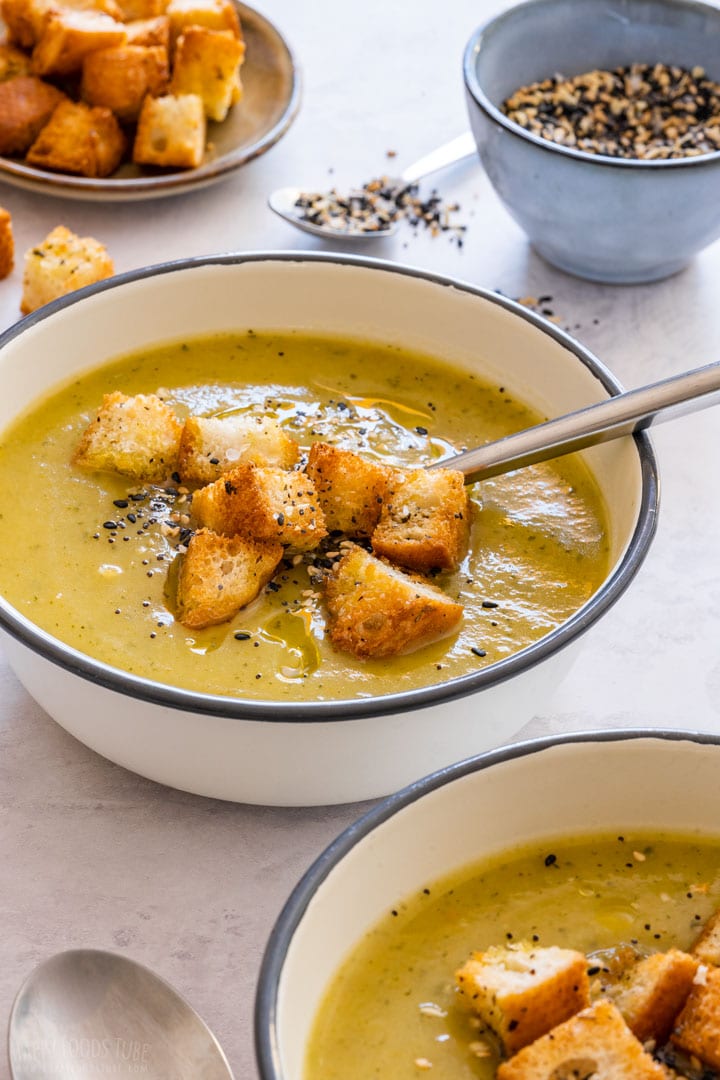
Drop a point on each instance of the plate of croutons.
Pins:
(129, 99)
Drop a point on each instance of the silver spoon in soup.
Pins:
(621, 415)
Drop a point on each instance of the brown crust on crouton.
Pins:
(351, 490)
(425, 520)
(142, 9)
(135, 436)
(119, 78)
(211, 446)
(697, 1028)
(60, 264)
(652, 993)
(13, 62)
(149, 32)
(264, 503)
(522, 992)
(79, 139)
(25, 19)
(68, 36)
(7, 243)
(207, 63)
(707, 946)
(375, 610)
(219, 575)
(171, 131)
(595, 1042)
(26, 105)
(212, 14)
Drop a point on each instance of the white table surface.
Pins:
(91, 855)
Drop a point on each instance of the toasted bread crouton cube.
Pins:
(26, 105)
(265, 503)
(425, 520)
(149, 32)
(707, 946)
(68, 36)
(13, 62)
(80, 139)
(219, 575)
(212, 14)
(119, 78)
(142, 9)
(134, 436)
(207, 63)
(62, 263)
(595, 1043)
(521, 992)
(213, 445)
(377, 611)
(351, 489)
(651, 994)
(697, 1028)
(171, 132)
(7, 243)
(25, 19)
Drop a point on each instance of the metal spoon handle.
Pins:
(620, 415)
(455, 150)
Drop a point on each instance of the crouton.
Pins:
(219, 575)
(13, 62)
(7, 243)
(68, 36)
(212, 14)
(651, 994)
(206, 63)
(595, 1043)
(265, 503)
(211, 446)
(119, 78)
(521, 992)
(60, 264)
(25, 19)
(26, 105)
(707, 946)
(171, 132)
(135, 436)
(142, 9)
(425, 520)
(377, 611)
(351, 490)
(697, 1028)
(149, 32)
(81, 139)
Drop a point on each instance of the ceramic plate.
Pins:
(270, 103)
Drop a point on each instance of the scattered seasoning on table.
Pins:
(380, 203)
(643, 111)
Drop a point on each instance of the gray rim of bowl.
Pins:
(481, 99)
(170, 183)
(267, 1050)
(65, 656)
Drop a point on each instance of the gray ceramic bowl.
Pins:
(607, 219)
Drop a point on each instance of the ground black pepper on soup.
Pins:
(93, 557)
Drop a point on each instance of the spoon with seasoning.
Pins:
(86, 1013)
(621, 415)
(373, 210)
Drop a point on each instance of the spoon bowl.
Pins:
(86, 1012)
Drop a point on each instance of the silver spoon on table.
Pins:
(620, 415)
(88, 1013)
(285, 201)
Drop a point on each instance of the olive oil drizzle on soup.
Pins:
(393, 1011)
(86, 557)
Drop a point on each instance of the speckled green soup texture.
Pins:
(85, 555)
(393, 1010)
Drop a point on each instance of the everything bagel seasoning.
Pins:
(644, 111)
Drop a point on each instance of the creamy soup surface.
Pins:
(393, 1010)
(539, 539)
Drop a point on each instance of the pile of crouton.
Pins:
(257, 501)
(559, 1015)
(86, 84)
